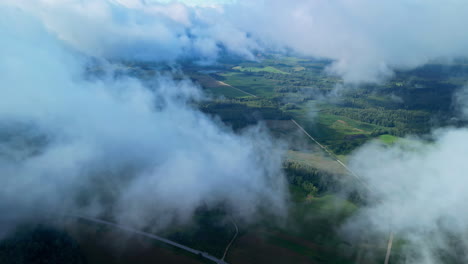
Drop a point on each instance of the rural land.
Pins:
(320, 121)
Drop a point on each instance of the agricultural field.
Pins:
(232, 132)
(258, 69)
(273, 92)
(343, 118)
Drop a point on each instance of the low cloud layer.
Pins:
(111, 145)
(367, 40)
(136, 30)
(76, 141)
(420, 192)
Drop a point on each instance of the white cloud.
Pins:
(419, 191)
(135, 30)
(367, 40)
(112, 144)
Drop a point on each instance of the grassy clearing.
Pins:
(315, 159)
(388, 139)
(310, 235)
(344, 125)
(339, 134)
(226, 91)
(216, 88)
(329, 126)
(298, 68)
(252, 84)
(259, 69)
(290, 61)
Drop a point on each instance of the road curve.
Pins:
(232, 240)
(155, 237)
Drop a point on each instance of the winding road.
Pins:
(232, 240)
(205, 254)
(155, 237)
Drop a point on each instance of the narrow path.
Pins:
(360, 180)
(389, 248)
(232, 240)
(329, 153)
(155, 237)
(225, 84)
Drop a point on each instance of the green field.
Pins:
(285, 88)
(307, 237)
(407, 104)
(216, 88)
(323, 196)
(259, 69)
(395, 108)
(388, 139)
(258, 86)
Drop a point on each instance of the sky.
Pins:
(192, 2)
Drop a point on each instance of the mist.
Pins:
(140, 31)
(106, 144)
(112, 145)
(365, 40)
(418, 190)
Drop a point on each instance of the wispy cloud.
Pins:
(109, 144)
